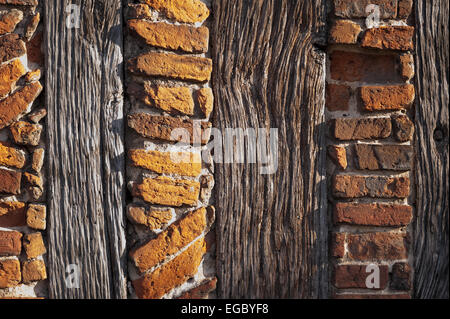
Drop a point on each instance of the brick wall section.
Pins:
(170, 212)
(22, 197)
(369, 109)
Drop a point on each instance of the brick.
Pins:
(173, 100)
(388, 157)
(205, 99)
(37, 115)
(36, 216)
(355, 276)
(372, 296)
(338, 245)
(35, 184)
(338, 97)
(357, 9)
(10, 243)
(34, 51)
(167, 191)
(172, 274)
(9, 20)
(11, 47)
(38, 160)
(377, 246)
(10, 275)
(189, 11)
(170, 241)
(10, 181)
(139, 11)
(32, 26)
(17, 103)
(403, 128)
(20, 2)
(9, 74)
(33, 245)
(202, 291)
(12, 214)
(406, 61)
(401, 277)
(173, 66)
(373, 214)
(361, 128)
(404, 8)
(154, 219)
(387, 98)
(25, 133)
(354, 186)
(338, 155)
(344, 32)
(173, 37)
(180, 163)
(162, 127)
(389, 37)
(11, 156)
(33, 76)
(353, 66)
(33, 270)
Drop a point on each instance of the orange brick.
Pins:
(33, 270)
(10, 156)
(205, 99)
(392, 37)
(190, 11)
(10, 243)
(391, 97)
(9, 74)
(9, 20)
(152, 218)
(10, 181)
(33, 245)
(10, 275)
(344, 32)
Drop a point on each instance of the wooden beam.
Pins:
(85, 148)
(271, 229)
(431, 225)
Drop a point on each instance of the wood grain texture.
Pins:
(271, 229)
(431, 225)
(85, 149)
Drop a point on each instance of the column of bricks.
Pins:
(22, 148)
(171, 245)
(370, 99)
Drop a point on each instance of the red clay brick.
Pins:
(361, 128)
(10, 243)
(10, 181)
(387, 98)
(354, 276)
(12, 214)
(344, 32)
(387, 157)
(377, 246)
(392, 37)
(338, 97)
(357, 9)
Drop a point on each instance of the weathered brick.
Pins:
(162, 127)
(154, 219)
(37, 115)
(372, 214)
(174, 66)
(167, 191)
(357, 9)
(34, 50)
(404, 8)
(32, 26)
(338, 97)
(170, 241)
(35, 184)
(172, 274)
(372, 296)
(139, 11)
(339, 155)
(36, 216)
(25, 133)
(383, 98)
(205, 99)
(9, 20)
(353, 66)
(401, 277)
(10, 243)
(189, 11)
(202, 291)
(33, 270)
(406, 66)
(17, 103)
(38, 160)
(20, 2)
(181, 163)
(10, 181)
(9, 74)
(354, 186)
(403, 128)
(33, 76)
(377, 246)
(10, 156)
(389, 157)
(337, 245)
(12, 214)
(361, 128)
(33, 245)
(173, 37)
(173, 100)
(355, 276)
(10, 275)
(344, 32)
(389, 37)
(11, 47)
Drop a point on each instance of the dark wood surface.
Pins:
(85, 149)
(431, 226)
(268, 73)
